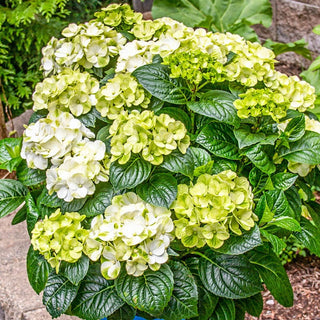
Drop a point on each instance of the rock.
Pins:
(19, 122)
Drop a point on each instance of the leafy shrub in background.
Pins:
(161, 170)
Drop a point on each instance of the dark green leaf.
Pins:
(218, 105)
(12, 195)
(155, 78)
(150, 292)
(184, 299)
(104, 136)
(38, 270)
(258, 180)
(236, 245)
(228, 276)
(278, 203)
(314, 211)
(75, 272)
(96, 297)
(179, 163)
(10, 153)
(295, 128)
(309, 236)
(30, 177)
(160, 190)
(124, 313)
(287, 223)
(284, 180)
(20, 216)
(130, 174)
(218, 138)
(58, 294)
(294, 202)
(263, 211)
(200, 156)
(246, 138)
(220, 165)
(98, 203)
(273, 274)
(253, 305)
(33, 213)
(179, 115)
(260, 159)
(225, 310)
(277, 244)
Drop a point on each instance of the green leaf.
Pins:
(160, 190)
(278, 203)
(33, 213)
(150, 292)
(38, 269)
(12, 195)
(177, 114)
(287, 223)
(314, 211)
(246, 138)
(225, 310)
(130, 174)
(96, 297)
(20, 216)
(273, 274)
(316, 29)
(30, 177)
(75, 272)
(218, 138)
(253, 305)
(98, 202)
(306, 150)
(179, 163)
(260, 159)
(184, 299)
(155, 78)
(236, 245)
(263, 211)
(294, 202)
(284, 180)
(299, 47)
(295, 128)
(104, 136)
(58, 294)
(200, 156)
(277, 244)
(10, 153)
(220, 165)
(124, 313)
(218, 105)
(309, 236)
(258, 180)
(228, 276)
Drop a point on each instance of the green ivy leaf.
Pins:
(260, 159)
(228, 276)
(225, 310)
(179, 163)
(150, 293)
(124, 313)
(155, 78)
(12, 195)
(38, 270)
(33, 213)
(287, 223)
(160, 190)
(284, 180)
(98, 202)
(218, 105)
(30, 177)
(295, 128)
(75, 272)
(309, 236)
(273, 274)
(236, 245)
(184, 299)
(218, 138)
(130, 174)
(96, 297)
(58, 294)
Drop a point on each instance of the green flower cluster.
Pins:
(122, 17)
(70, 90)
(133, 231)
(123, 91)
(262, 102)
(148, 29)
(60, 237)
(206, 210)
(88, 45)
(152, 136)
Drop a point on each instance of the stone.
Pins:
(17, 124)
(42, 314)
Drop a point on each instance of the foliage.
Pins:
(161, 192)
(293, 249)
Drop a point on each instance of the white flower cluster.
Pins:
(88, 45)
(133, 231)
(68, 91)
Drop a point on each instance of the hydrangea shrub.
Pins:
(160, 171)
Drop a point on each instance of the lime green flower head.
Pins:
(132, 231)
(60, 237)
(262, 102)
(148, 29)
(208, 209)
(121, 92)
(147, 134)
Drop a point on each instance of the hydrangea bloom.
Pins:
(68, 91)
(207, 210)
(152, 136)
(123, 91)
(52, 138)
(60, 237)
(133, 231)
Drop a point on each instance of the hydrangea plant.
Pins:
(160, 171)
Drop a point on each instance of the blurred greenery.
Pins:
(25, 27)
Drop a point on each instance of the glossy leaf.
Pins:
(284, 180)
(277, 244)
(76, 271)
(33, 213)
(225, 310)
(30, 177)
(260, 159)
